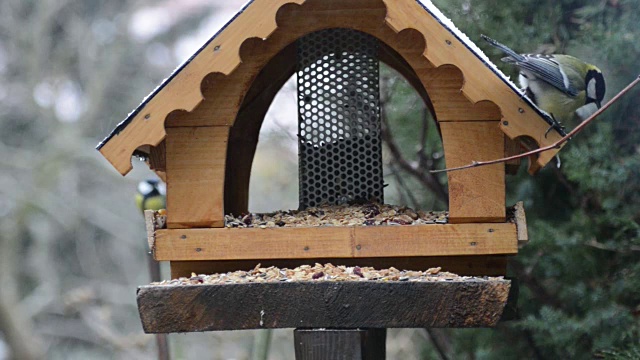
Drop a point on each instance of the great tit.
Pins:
(151, 195)
(557, 84)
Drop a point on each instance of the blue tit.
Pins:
(151, 195)
(557, 84)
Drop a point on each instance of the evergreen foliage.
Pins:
(580, 273)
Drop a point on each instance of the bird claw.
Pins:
(555, 124)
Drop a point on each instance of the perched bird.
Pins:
(151, 195)
(557, 84)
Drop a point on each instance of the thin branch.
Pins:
(600, 246)
(425, 178)
(403, 189)
(552, 146)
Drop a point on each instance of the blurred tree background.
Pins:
(72, 242)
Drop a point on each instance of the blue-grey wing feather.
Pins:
(546, 69)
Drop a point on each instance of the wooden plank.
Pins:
(158, 157)
(478, 194)
(521, 223)
(233, 244)
(195, 173)
(324, 344)
(478, 265)
(427, 240)
(322, 304)
(335, 242)
(157, 160)
(150, 224)
(511, 148)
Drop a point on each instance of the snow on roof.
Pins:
(426, 4)
(464, 39)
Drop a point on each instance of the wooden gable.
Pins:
(211, 88)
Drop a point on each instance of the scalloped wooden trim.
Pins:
(480, 83)
(221, 55)
(270, 25)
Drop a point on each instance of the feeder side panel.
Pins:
(195, 176)
(478, 194)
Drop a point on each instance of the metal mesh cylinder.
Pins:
(339, 143)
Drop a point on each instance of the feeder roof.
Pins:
(256, 19)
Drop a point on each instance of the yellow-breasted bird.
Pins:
(557, 84)
(151, 195)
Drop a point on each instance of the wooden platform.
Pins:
(335, 242)
(322, 304)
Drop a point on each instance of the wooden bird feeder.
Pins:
(199, 130)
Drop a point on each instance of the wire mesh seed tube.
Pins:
(339, 142)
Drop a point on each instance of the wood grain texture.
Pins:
(150, 225)
(226, 67)
(444, 85)
(323, 304)
(477, 194)
(158, 157)
(480, 83)
(335, 242)
(244, 135)
(328, 344)
(195, 173)
(476, 265)
(511, 148)
(183, 92)
(521, 223)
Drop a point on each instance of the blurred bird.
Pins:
(557, 84)
(151, 195)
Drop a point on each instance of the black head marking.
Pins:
(596, 87)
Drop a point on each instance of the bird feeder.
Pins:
(199, 130)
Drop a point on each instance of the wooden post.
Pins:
(346, 344)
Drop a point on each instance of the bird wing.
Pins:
(547, 69)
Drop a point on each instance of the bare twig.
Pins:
(549, 147)
(600, 246)
(425, 178)
(403, 188)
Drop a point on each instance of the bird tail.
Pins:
(512, 54)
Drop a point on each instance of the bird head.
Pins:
(151, 187)
(151, 195)
(595, 86)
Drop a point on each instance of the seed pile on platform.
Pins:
(319, 272)
(339, 215)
